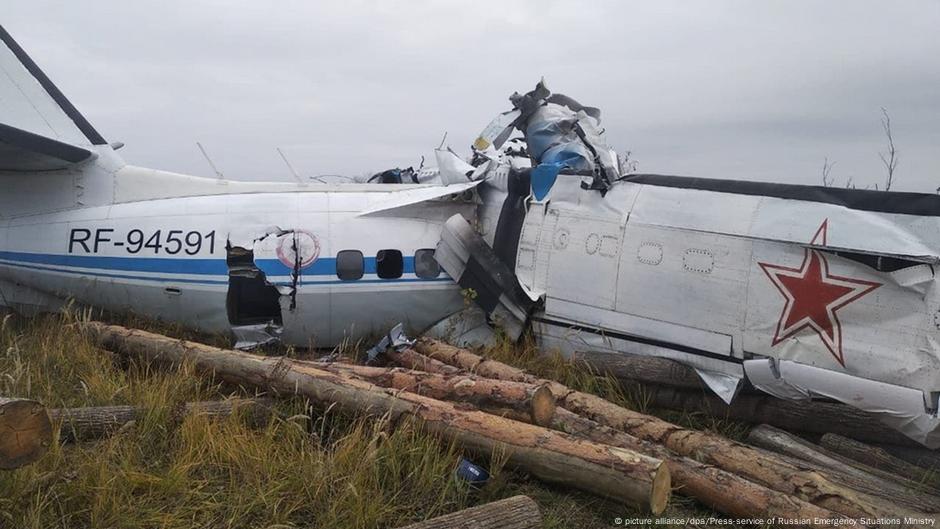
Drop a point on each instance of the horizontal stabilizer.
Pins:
(24, 151)
(31, 102)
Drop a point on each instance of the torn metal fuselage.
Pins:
(346, 275)
(805, 292)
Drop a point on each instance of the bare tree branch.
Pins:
(890, 158)
(826, 169)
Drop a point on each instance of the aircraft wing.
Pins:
(410, 196)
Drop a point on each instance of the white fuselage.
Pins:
(176, 258)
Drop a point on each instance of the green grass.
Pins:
(308, 467)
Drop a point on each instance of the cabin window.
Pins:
(389, 264)
(426, 266)
(349, 265)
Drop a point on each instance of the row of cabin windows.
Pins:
(389, 264)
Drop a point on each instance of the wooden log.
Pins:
(517, 512)
(635, 479)
(876, 457)
(25, 432)
(817, 418)
(923, 457)
(644, 369)
(414, 360)
(860, 477)
(751, 463)
(537, 401)
(82, 424)
(711, 486)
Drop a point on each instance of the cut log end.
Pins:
(543, 406)
(25, 432)
(661, 490)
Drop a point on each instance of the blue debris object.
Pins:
(472, 474)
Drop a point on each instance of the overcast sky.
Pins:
(744, 90)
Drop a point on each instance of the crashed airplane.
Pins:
(803, 291)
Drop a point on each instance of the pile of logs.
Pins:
(564, 436)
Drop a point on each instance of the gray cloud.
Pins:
(731, 89)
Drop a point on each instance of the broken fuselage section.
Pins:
(804, 292)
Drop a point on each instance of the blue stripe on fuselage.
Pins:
(188, 265)
(112, 266)
(183, 265)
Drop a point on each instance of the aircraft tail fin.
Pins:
(39, 128)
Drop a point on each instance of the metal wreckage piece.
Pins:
(395, 339)
(565, 244)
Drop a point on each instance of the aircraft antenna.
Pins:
(289, 166)
(212, 165)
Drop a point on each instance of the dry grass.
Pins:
(308, 467)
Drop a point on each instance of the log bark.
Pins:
(751, 463)
(632, 478)
(536, 401)
(82, 424)
(897, 489)
(644, 369)
(923, 457)
(817, 418)
(414, 360)
(875, 457)
(518, 512)
(711, 486)
(25, 432)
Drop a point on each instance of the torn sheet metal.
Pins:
(245, 237)
(282, 257)
(564, 136)
(476, 268)
(899, 407)
(497, 132)
(467, 328)
(722, 384)
(452, 169)
(249, 337)
(395, 338)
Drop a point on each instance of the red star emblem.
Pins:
(814, 296)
